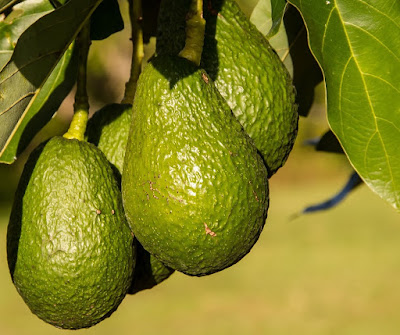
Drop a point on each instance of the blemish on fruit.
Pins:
(205, 78)
(209, 231)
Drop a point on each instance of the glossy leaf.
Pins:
(43, 107)
(36, 54)
(357, 45)
(21, 17)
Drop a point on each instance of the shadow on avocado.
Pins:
(15, 225)
(172, 27)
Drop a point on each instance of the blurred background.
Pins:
(332, 272)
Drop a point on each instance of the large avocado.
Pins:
(246, 70)
(195, 190)
(70, 249)
(109, 130)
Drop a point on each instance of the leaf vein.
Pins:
(380, 12)
(366, 74)
(367, 93)
(372, 36)
(27, 64)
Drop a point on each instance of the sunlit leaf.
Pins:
(357, 44)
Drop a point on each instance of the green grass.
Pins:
(335, 272)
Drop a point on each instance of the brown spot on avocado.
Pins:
(209, 231)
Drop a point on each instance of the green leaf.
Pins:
(36, 54)
(357, 45)
(21, 17)
(262, 19)
(43, 107)
(106, 20)
(277, 10)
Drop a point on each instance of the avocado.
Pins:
(70, 249)
(194, 188)
(108, 129)
(246, 70)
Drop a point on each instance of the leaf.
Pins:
(36, 54)
(106, 20)
(46, 103)
(262, 19)
(21, 17)
(329, 143)
(306, 71)
(277, 10)
(357, 44)
(150, 9)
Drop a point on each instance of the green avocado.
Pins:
(109, 130)
(70, 249)
(246, 70)
(194, 188)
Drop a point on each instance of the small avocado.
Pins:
(70, 249)
(246, 70)
(109, 130)
(194, 188)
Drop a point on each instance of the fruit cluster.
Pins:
(176, 181)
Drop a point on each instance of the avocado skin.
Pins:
(195, 190)
(246, 70)
(70, 249)
(108, 129)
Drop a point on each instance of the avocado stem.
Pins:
(135, 14)
(195, 29)
(77, 127)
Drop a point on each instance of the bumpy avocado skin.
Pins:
(70, 249)
(246, 71)
(109, 130)
(194, 188)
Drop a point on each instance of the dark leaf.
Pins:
(21, 17)
(306, 71)
(36, 54)
(46, 103)
(277, 9)
(106, 20)
(329, 143)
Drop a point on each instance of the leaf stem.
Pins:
(77, 127)
(195, 29)
(135, 14)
